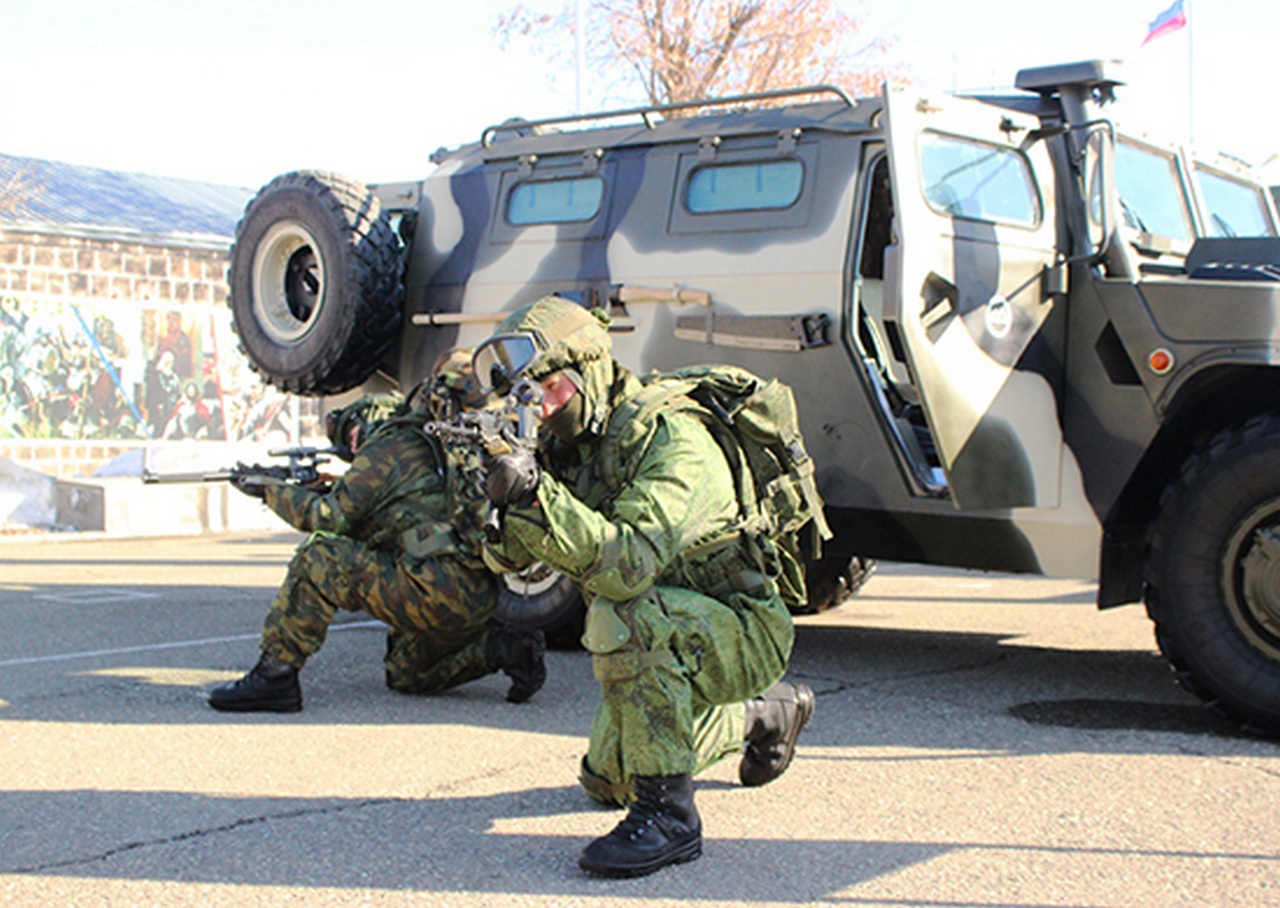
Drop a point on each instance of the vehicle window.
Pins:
(1235, 208)
(753, 186)
(969, 179)
(1152, 198)
(555, 201)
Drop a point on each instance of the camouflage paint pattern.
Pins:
(1038, 439)
(398, 536)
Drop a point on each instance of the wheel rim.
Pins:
(1252, 577)
(288, 282)
(532, 581)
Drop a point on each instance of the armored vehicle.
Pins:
(1021, 339)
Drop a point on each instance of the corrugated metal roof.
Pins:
(70, 196)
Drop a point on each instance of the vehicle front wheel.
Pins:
(1213, 574)
(832, 580)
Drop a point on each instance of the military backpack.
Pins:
(756, 423)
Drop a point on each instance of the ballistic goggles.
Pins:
(503, 358)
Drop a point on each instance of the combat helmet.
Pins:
(364, 413)
(551, 335)
(451, 388)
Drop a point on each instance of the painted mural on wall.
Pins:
(120, 371)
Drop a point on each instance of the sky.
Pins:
(238, 91)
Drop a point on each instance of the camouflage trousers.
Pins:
(672, 695)
(438, 610)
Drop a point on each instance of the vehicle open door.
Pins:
(969, 284)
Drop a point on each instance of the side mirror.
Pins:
(1098, 167)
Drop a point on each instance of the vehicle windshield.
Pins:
(1235, 207)
(1153, 198)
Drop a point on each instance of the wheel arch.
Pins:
(1217, 398)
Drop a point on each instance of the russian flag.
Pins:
(1172, 19)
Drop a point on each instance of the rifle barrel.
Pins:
(214, 476)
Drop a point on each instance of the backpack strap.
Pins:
(633, 424)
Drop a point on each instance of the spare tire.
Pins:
(315, 283)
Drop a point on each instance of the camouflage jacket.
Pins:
(404, 492)
(618, 543)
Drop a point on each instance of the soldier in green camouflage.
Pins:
(684, 619)
(398, 536)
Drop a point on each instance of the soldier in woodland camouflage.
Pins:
(397, 536)
(684, 620)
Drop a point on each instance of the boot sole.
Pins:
(258, 706)
(690, 851)
(806, 705)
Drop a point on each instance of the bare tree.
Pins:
(18, 187)
(684, 50)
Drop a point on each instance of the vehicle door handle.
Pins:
(940, 307)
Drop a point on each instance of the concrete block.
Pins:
(79, 505)
(27, 497)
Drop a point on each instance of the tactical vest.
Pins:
(442, 513)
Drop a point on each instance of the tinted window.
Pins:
(555, 201)
(1234, 208)
(1151, 195)
(744, 187)
(969, 179)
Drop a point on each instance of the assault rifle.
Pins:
(303, 469)
(494, 433)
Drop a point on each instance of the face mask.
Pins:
(569, 422)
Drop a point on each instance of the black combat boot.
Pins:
(662, 827)
(519, 655)
(270, 686)
(773, 722)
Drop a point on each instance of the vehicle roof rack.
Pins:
(647, 113)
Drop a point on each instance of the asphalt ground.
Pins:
(980, 740)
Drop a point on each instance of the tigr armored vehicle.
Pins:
(1020, 339)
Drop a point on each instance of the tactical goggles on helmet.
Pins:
(503, 358)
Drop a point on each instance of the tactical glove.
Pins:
(512, 479)
(249, 481)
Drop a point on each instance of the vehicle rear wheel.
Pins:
(1213, 574)
(539, 597)
(832, 580)
(315, 283)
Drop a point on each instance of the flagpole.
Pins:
(1191, 81)
(579, 54)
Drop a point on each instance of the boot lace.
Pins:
(643, 814)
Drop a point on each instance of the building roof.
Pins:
(71, 197)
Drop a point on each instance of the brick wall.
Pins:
(63, 459)
(77, 267)
(82, 268)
